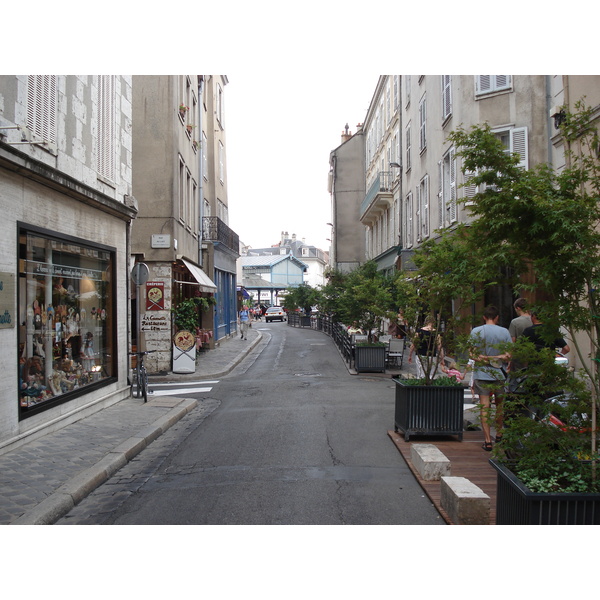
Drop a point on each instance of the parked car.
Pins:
(275, 313)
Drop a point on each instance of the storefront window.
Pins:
(66, 318)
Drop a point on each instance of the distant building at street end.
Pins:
(315, 259)
(269, 275)
(346, 187)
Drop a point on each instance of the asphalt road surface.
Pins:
(289, 437)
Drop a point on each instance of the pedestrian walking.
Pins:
(244, 321)
(521, 321)
(490, 370)
(533, 334)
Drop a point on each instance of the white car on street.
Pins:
(275, 313)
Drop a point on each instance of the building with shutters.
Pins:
(413, 176)
(67, 206)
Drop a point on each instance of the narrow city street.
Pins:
(289, 437)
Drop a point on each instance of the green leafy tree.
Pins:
(364, 295)
(441, 288)
(546, 222)
(303, 296)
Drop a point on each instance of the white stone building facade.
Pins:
(67, 206)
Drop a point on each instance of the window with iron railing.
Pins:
(215, 230)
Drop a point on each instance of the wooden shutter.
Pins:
(106, 126)
(518, 144)
(408, 147)
(422, 123)
(452, 206)
(446, 96)
(42, 106)
(470, 189)
(484, 83)
(440, 193)
(425, 204)
(418, 223)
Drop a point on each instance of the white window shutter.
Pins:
(470, 189)
(408, 147)
(106, 126)
(418, 224)
(484, 83)
(502, 81)
(425, 201)
(452, 207)
(518, 144)
(446, 96)
(42, 106)
(440, 194)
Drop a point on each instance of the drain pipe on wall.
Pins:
(200, 170)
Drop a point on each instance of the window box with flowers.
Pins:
(183, 110)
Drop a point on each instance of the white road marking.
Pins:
(179, 391)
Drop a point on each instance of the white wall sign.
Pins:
(161, 241)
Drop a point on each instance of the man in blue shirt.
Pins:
(244, 321)
(490, 369)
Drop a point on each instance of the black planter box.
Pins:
(517, 505)
(429, 409)
(369, 359)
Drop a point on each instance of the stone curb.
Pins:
(60, 502)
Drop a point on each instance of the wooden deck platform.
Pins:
(467, 459)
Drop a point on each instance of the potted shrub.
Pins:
(542, 222)
(437, 290)
(543, 461)
(302, 297)
(363, 296)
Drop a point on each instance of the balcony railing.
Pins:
(214, 230)
(382, 184)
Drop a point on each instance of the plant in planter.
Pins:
(183, 110)
(431, 404)
(440, 292)
(185, 314)
(546, 223)
(302, 297)
(363, 296)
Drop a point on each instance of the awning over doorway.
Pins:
(205, 283)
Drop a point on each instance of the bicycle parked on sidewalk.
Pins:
(141, 375)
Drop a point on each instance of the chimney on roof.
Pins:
(346, 134)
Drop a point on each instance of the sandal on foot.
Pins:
(487, 446)
(498, 439)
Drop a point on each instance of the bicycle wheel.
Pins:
(144, 383)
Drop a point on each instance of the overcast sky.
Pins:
(280, 129)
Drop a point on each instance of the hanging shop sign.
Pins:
(155, 295)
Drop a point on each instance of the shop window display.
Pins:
(66, 316)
